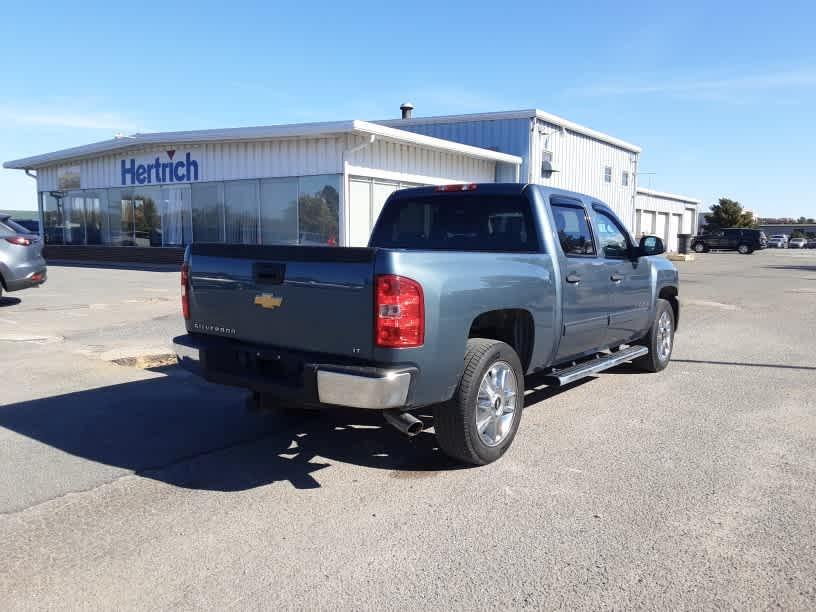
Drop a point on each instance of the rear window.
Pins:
(457, 223)
(13, 226)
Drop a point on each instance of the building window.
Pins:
(625, 179)
(291, 210)
(608, 174)
(319, 209)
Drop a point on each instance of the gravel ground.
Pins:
(125, 487)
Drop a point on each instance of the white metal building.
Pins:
(556, 152)
(320, 183)
(665, 215)
(325, 182)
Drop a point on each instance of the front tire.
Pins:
(478, 425)
(744, 249)
(659, 340)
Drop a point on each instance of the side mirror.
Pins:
(650, 245)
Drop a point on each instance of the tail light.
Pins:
(399, 312)
(19, 240)
(465, 187)
(185, 290)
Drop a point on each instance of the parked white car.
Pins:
(797, 243)
(782, 238)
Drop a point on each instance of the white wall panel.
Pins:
(580, 161)
(419, 162)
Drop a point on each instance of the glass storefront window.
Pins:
(292, 210)
(241, 212)
(120, 217)
(279, 211)
(95, 221)
(73, 214)
(319, 209)
(52, 218)
(176, 215)
(147, 230)
(208, 212)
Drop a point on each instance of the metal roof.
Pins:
(668, 196)
(521, 114)
(298, 130)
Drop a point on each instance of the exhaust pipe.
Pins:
(405, 422)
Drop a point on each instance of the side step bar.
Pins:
(593, 366)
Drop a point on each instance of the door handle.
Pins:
(616, 278)
(573, 278)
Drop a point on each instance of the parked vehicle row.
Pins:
(739, 239)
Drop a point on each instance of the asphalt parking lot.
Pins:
(124, 487)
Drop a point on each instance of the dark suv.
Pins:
(746, 241)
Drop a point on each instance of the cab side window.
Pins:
(611, 237)
(572, 226)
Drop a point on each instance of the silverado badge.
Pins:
(267, 300)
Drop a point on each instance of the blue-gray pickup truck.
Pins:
(462, 291)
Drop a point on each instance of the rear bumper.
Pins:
(25, 277)
(294, 375)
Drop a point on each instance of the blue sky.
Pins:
(720, 95)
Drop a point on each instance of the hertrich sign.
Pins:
(159, 171)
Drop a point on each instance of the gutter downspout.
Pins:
(345, 218)
(634, 193)
(40, 211)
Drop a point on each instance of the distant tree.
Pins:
(797, 234)
(729, 213)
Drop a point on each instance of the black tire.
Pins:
(744, 249)
(455, 421)
(653, 361)
(699, 247)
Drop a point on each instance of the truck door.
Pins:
(584, 279)
(629, 279)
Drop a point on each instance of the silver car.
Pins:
(21, 261)
(797, 243)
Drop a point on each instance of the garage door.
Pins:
(674, 229)
(662, 226)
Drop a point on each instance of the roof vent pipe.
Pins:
(406, 108)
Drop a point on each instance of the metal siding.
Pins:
(580, 161)
(222, 161)
(664, 205)
(418, 161)
(504, 135)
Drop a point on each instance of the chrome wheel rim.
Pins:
(496, 403)
(743, 248)
(664, 336)
(699, 248)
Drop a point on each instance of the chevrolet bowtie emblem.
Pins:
(267, 300)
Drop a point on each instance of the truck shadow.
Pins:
(190, 434)
(179, 430)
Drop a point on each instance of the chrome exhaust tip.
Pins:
(404, 422)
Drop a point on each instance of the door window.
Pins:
(611, 236)
(572, 226)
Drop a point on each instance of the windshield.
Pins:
(457, 223)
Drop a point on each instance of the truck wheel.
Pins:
(744, 249)
(659, 340)
(478, 425)
(699, 247)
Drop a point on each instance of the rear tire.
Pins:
(659, 351)
(699, 247)
(478, 425)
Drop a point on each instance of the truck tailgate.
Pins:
(317, 299)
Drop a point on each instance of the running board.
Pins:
(593, 366)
